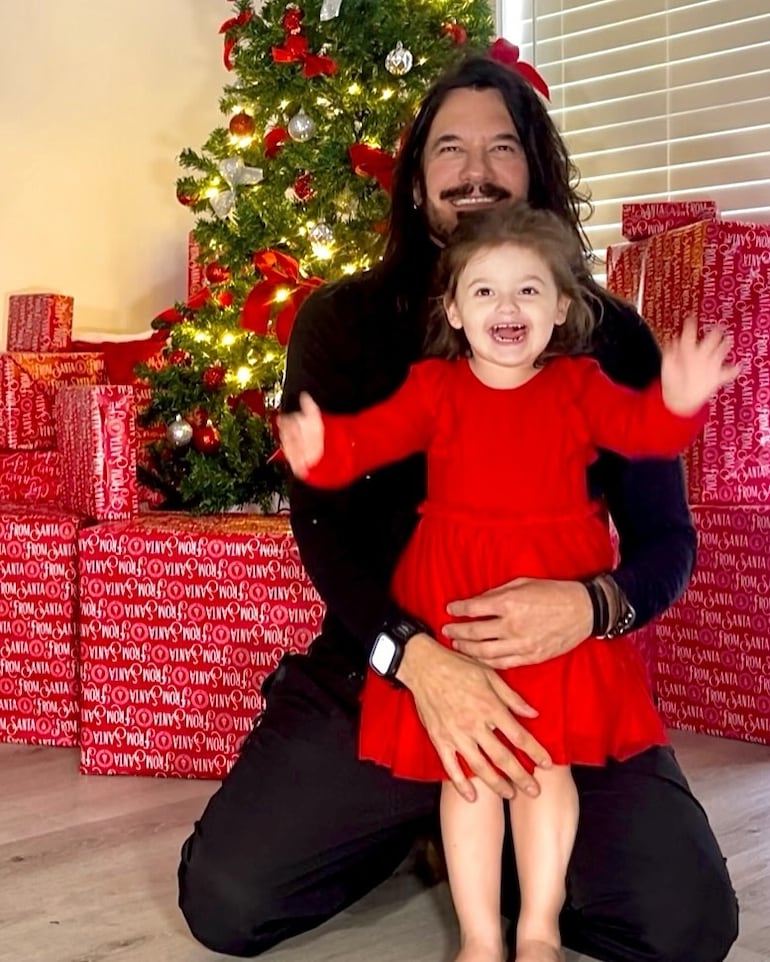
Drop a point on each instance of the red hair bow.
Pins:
(508, 54)
(279, 270)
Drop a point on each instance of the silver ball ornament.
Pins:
(301, 127)
(321, 234)
(399, 61)
(179, 432)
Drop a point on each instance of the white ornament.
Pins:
(237, 174)
(301, 127)
(321, 234)
(330, 9)
(399, 61)
(179, 432)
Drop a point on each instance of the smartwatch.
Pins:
(388, 648)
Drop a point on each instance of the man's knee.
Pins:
(221, 912)
(701, 926)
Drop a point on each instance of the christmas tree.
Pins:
(290, 194)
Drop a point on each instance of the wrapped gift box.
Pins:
(639, 221)
(719, 272)
(196, 278)
(30, 476)
(96, 437)
(625, 266)
(38, 676)
(28, 387)
(713, 670)
(181, 620)
(39, 322)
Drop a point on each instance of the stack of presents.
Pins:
(143, 637)
(711, 650)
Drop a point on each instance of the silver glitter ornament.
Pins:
(321, 234)
(301, 127)
(399, 61)
(179, 432)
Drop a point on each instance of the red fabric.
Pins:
(507, 497)
(120, 357)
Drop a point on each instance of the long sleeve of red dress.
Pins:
(387, 432)
(636, 424)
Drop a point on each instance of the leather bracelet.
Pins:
(600, 607)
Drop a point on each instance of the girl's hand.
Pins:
(302, 436)
(693, 370)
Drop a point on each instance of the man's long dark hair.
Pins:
(410, 254)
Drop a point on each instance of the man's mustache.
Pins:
(487, 189)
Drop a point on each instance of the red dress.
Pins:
(507, 497)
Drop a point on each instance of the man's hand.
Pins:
(302, 436)
(523, 622)
(461, 703)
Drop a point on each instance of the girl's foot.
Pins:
(533, 950)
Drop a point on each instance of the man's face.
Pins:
(473, 159)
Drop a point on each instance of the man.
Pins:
(300, 828)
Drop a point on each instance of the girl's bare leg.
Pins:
(543, 836)
(472, 833)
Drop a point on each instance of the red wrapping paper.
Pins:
(182, 618)
(713, 671)
(38, 674)
(625, 266)
(196, 278)
(28, 387)
(30, 476)
(97, 441)
(720, 273)
(39, 322)
(656, 217)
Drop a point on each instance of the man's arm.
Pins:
(647, 499)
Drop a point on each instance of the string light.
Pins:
(227, 340)
(387, 93)
(281, 295)
(243, 376)
(354, 89)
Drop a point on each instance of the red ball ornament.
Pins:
(242, 125)
(292, 19)
(198, 417)
(179, 357)
(207, 440)
(303, 187)
(217, 273)
(185, 198)
(458, 34)
(214, 376)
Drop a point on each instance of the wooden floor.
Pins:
(87, 866)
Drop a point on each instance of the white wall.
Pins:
(97, 98)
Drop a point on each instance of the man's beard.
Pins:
(441, 222)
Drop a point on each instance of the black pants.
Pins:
(300, 829)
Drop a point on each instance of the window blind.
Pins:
(656, 99)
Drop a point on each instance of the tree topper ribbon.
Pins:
(369, 161)
(281, 273)
(508, 54)
(294, 50)
(229, 29)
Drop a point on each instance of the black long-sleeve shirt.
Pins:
(350, 348)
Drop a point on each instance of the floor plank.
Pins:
(87, 866)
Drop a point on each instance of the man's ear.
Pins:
(416, 193)
(452, 314)
(562, 309)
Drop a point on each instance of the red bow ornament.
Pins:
(230, 28)
(274, 140)
(372, 162)
(508, 54)
(294, 50)
(280, 272)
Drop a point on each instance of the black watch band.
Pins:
(389, 645)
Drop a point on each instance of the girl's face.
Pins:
(507, 303)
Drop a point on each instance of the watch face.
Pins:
(383, 653)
